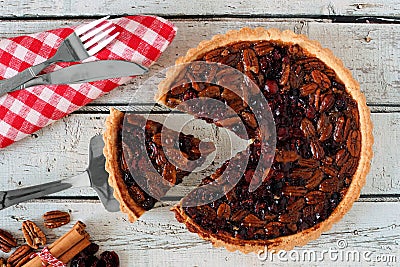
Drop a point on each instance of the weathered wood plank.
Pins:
(370, 51)
(157, 239)
(60, 151)
(52, 8)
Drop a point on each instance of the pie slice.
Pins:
(323, 138)
(140, 156)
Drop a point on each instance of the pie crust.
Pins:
(127, 205)
(352, 87)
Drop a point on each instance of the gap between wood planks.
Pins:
(330, 18)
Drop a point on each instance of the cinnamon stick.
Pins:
(67, 241)
(70, 254)
(64, 244)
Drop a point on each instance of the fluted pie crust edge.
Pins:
(116, 181)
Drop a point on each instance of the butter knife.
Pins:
(86, 72)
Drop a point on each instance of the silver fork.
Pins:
(85, 41)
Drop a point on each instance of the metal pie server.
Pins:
(95, 176)
(87, 72)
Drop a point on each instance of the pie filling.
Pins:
(317, 148)
(146, 150)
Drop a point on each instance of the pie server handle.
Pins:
(12, 197)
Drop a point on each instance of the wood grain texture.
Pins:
(60, 151)
(26, 8)
(157, 239)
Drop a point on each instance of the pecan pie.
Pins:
(323, 139)
(132, 143)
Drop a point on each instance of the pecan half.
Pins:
(33, 235)
(239, 215)
(214, 55)
(301, 173)
(307, 89)
(3, 262)
(317, 150)
(228, 122)
(180, 88)
(253, 221)
(338, 133)
(286, 156)
(56, 218)
(329, 185)
(329, 171)
(307, 127)
(7, 241)
(285, 74)
(250, 61)
(249, 119)
(290, 217)
(20, 256)
(295, 191)
(263, 48)
(297, 205)
(321, 79)
(315, 197)
(210, 92)
(315, 179)
(349, 167)
(354, 143)
(224, 211)
(310, 163)
(324, 128)
(341, 157)
(327, 103)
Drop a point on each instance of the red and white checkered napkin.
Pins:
(142, 39)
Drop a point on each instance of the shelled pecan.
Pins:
(7, 241)
(20, 256)
(33, 235)
(56, 218)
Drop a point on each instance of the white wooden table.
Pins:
(365, 34)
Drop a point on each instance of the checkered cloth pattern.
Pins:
(142, 39)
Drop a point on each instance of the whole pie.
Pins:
(323, 138)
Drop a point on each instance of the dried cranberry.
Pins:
(310, 112)
(92, 261)
(271, 86)
(148, 203)
(334, 200)
(91, 249)
(110, 258)
(189, 95)
(128, 179)
(340, 103)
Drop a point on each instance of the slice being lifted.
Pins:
(137, 156)
(323, 147)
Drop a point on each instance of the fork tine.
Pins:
(81, 30)
(102, 44)
(95, 31)
(98, 38)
